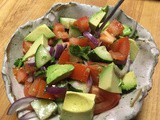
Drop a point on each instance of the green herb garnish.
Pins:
(79, 51)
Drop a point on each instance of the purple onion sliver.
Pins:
(58, 50)
(89, 83)
(20, 104)
(28, 116)
(31, 61)
(51, 51)
(56, 90)
(43, 68)
(91, 38)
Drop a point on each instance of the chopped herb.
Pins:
(52, 60)
(79, 51)
(18, 63)
(51, 27)
(38, 73)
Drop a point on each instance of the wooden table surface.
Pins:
(14, 13)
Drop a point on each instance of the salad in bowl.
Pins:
(59, 67)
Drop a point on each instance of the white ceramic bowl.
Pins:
(143, 65)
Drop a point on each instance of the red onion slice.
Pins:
(58, 50)
(20, 104)
(56, 90)
(91, 38)
(89, 83)
(31, 61)
(51, 50)
(28, 116)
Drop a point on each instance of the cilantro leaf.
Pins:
(18, 63)
(79, 51)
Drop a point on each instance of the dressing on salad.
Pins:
(66, 59)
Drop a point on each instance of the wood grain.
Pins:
(14, 13)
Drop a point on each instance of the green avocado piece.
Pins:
(129, 81)
(41, 40)
(58, 72)
(42, 29)
(78, 106)
(108, 80)
(134, 49)
(44, 108)
(127, 30)
(97, 17)
(67, 22)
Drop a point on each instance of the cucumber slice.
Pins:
(42, 56)
(78, 86)
(74, 32)
(100, 54)
(44, 108)
(67, 22)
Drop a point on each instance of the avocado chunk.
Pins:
(100, 54)
(58, 72)
(127, 30)
(95, 19)
(78, 106)
(67, 22)
(42, 29)
(134, 49)
(41, 40)
(108, 80)
(44, 108)
(129, 81)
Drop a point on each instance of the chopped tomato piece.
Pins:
(78, 41)
(58, 27)
(27, 86)
(115, 28)
(104, 100)
(107, 38)
(95, 70)
(62, 35)
(30, 69)
(41, 92)
(82, 24)
(65, 57)
(20, 74)
(26, 45)
(119, 50)
(59, 31)
(81, 72)
(34, 88)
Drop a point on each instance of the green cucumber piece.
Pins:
(32, 50)
(78, 86)
(44, 108)
(100, 54)
(74, 32)
(67, 22)
(42, 56)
